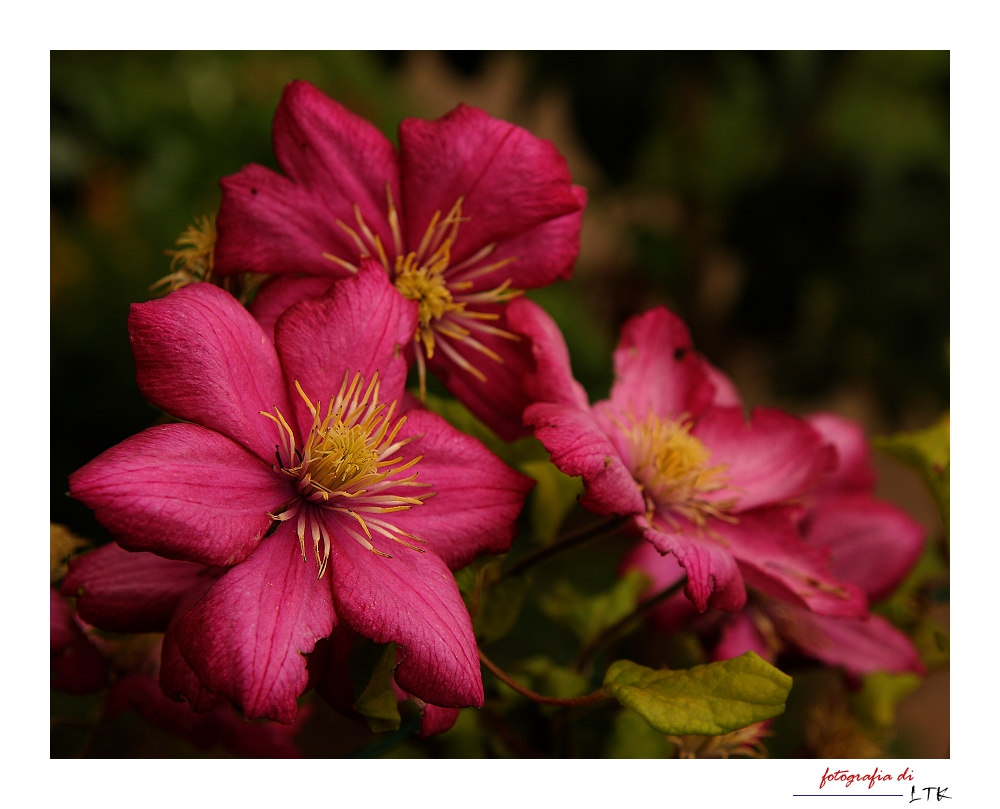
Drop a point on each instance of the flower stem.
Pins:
(588, 652)
(505, 678)
(580, 537)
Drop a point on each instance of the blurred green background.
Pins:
(793, 207)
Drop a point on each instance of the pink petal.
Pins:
(435, 720)
(665, 571)
(544, 254)
(362, 324)
(861, 646)
(477, 497)
(726, 394)
(657, 370)
(76, 666)
(740, 636)
(202, 357)
(245, 639)
(854, 471)
(121, 591)
(772, 458)
(334, 160)
(183, 492)
(774, 559)
(280, 293)
(714, 580)
(177, 679)
(872, 543)
(552, 378)
(411, 600)
(499, 401)
(578, 446)
(511, 181)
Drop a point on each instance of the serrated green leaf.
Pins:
(875, 705)
(929, 452)
(553, 497)
(371, 665)
(705, 700)
(586, 616)
(632, 737)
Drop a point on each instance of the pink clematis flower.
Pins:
(703, 482)
(292, 445)
(467, 214)
(873, 545)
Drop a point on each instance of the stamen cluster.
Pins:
(346, 467)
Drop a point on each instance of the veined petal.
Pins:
(872, 543)
(860, 645)
(183, 492)
(714, 579)
(177, 679)
(552, 379)
(578, 446)
(499, 400)
(245, 639)
(854, 472)
(774, 559)
(202, 357)
(279, 294)
(510, 180)
(477, 497)
(362, 324)
(769, 459)
(665, 571)
(121, 591)
(334, 159)
(411, 600)
(657, 370)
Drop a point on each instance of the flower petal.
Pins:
(411, 600)
(665, 571)
(119, 591)
(739, 636)
(552, 378)
(177, 679)
(279, 294)
(183, 492)
(872, 543)
(202, 357)
(771, 458)
(334, 160)
(861, 646)
(511, 181)
(499, 400)
(245, 639)
(477, 497)
(578, 446)
(362, 324)
(774, 559)
(714, 579)
(541, 256)
(657, 370)
(854, 472)
(726, 393)
(75, 664)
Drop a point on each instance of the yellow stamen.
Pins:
(195, 260)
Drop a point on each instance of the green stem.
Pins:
(588, 652)
(580, 537)
(505, 678)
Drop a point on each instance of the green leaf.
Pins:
(705, 700)
(929, 452)
(587, 616)
(875, 705)
(553, 497)
(551, 679)
(494, 606)
(371, 665)
(632, 737)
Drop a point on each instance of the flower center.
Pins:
(348, 467)
(445, 293)
(195, 260)
(672, 466)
